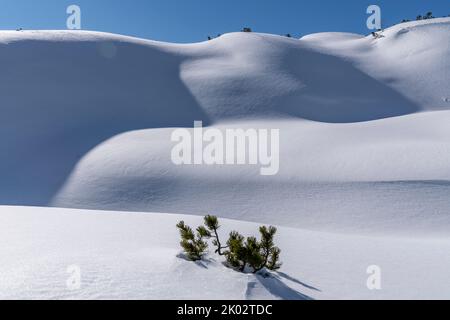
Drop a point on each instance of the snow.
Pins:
(412, 58)
(86, 120)
(355, 178)
(125, 255)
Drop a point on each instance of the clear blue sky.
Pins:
(194, 20)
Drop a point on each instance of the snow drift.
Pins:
(126, 255)
(86, 120)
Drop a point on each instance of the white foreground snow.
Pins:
(134, 256)
(86, 120)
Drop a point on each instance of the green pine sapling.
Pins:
(241, 253)
(236, 254)
(269, 253)
(253, 253)
(254, 257)
(193, 245)
(212, 225)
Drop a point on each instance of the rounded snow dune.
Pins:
(412, 58)
(86, 120)
(381, 177)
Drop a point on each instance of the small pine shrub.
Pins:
(241, 253)
(193, 244)
(255, 259)
(212, 225)
(236, 254)
(252, 253)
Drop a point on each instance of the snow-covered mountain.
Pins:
(86, 123)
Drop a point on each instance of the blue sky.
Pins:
(194, 20)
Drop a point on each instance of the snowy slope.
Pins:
(134, 256)
(71, 103)
(412, 58)
(362, 178)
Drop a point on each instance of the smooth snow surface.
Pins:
(134, 256)
(86, 120)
